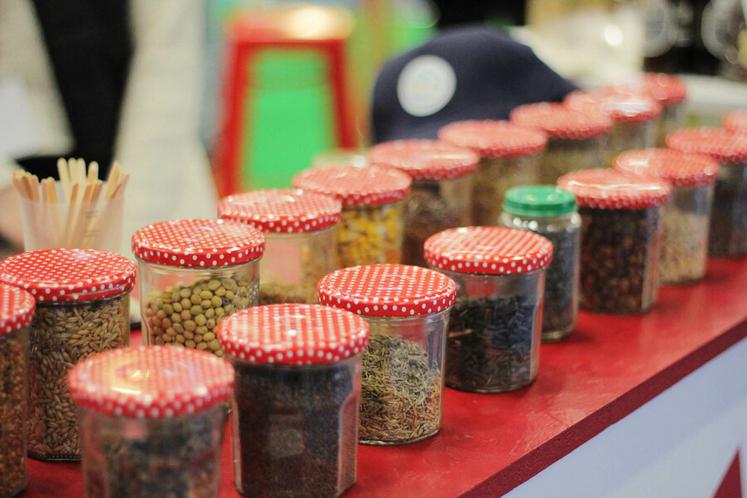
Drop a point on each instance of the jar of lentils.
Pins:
(300, 231)
(407, 309)
(373, 203)
(192, 274)
(736, 121)
(298, 386)
(82, 307)
(621, 235)
(443, 177)
(152, 421)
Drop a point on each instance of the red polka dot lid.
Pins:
(611, 189)
(736, 121)
(678, 168)
(620, 106)
(387, 290)
(665, 88)
(493, 139)
(63, 275)
(293, 334)
(558, 121)
(424, 159)
(16, 308)
(722, 145)
(151, 382)
(282, 211)
(356, 186)
(198, 243)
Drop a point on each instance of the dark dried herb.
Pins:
(728, 231)
(13, 412)
(427, 212)
(561, 302)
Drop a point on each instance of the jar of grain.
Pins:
(298, 370)
(736, 121)
(82, 307)
(152, 421)
(192, 274)
(300, 231)
(442, 180)
(407, 309)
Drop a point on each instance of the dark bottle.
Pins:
(668, 35)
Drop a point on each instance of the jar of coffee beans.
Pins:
(407, 309)
(82, 307)
(621, 216)
(373, 201)
(193, 273)
(442, 179)
(298, 378)
(684, 249)
(728, 230)
(509, 155)
(152, 421)
(736, 121)
(551, 212)
(300, 231)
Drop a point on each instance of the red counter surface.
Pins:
(491, 443)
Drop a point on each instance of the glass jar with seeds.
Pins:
(192, 274)
(509, 155)
(373, 203)
(298, 384)
(300, 231)
(82, 307)
(494, 334)
(442, 181)
(621, 232)
(152, 420)
(407, 310)
(551, 212)
(684, 249)
(736, 122)
(16, 312)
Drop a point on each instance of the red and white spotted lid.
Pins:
(424, 159)
(387, 290)
(736, 121)
(16, 308)
(282, 211)
(293, 334)
(153, 382)
(603, 188)
(666, 89)
(622, 107)
(65, 275)
(488, 251)
(198, 243)
(678, 168)
(492, 138)
(722, 145)
(558, 121)
(356, 186)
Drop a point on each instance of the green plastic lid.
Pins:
(539, 200)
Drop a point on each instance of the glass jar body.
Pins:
(629, 136)
(728, 236)
(494, 177)
(672, 118)
(13, 411)
(371, 234)
(566, 155)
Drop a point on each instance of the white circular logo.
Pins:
(426, 84)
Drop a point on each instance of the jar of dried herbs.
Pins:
(442, 181)
(736, 121)
(82, 307)
(300, 231)
(728, 230)
(16, 312)
(551, 212)
(373, 204)
(509, 155)
(684, 249)
(152, 420)
(297, 398)
(407, 309)
(576, 139)
(192, 274)
(621, 231)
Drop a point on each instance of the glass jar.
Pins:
(551, 212)
(300, 231)
(16, 312)
(509, 155)
(152, 420)
(372, 220)
(82, 308)
(442, 185)
(621, 231)
(297, 398)
(736, 121)
(407, 309)
(192, 274)
(684, 251)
